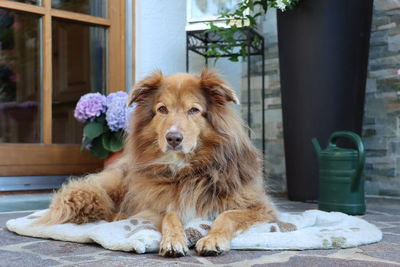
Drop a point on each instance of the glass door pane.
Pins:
(90, 7)
(79, 67)
(32, 2)
(20, 104)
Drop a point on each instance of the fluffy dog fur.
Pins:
(214, 173)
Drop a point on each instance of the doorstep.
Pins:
(24, 202)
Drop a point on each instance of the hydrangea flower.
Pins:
(111, 96)
(117, 111)
(90, 106)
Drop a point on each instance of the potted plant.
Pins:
(323, 57)
(230, 23)
(106, 120)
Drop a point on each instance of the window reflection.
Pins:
(90, 7)
(19, 78)
(79, 67)
(32, 2)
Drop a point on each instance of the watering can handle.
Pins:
(360, 147)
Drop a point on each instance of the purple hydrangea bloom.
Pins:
(117, 111)
(90, 106)
(111, 96)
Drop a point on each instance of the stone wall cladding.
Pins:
(274, 159)
(381, 130)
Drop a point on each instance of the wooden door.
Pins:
(51, 53)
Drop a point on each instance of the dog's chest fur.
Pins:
(176, 187)
(174, 162)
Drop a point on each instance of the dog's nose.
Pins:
(174, 139)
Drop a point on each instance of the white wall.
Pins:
(161, 42)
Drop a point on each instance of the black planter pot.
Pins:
(323, 54)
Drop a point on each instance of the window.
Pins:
(51, 53)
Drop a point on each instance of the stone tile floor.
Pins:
(385, 213)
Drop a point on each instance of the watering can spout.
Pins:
(316, 146)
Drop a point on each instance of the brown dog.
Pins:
(186, 156)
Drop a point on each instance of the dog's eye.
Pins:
(193, 110)
(163, 110)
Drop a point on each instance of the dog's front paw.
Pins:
(212, 245)
(173, 247)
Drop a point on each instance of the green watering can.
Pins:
(341, 185)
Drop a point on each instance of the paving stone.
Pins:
(134, 261)
(319, 252)
(387, 210)
(10, 238)
(389, 206)
(59, 249)
(153, 256)
(79, 258)
(381, 217)
(186, 259)
(382, 250)
(120, 254)
(395, 230)
(300, 261)
(14, 259)
(395, 239)
(237, 256)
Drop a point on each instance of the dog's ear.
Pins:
(216, 88)
(145, 87)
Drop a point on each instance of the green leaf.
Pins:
(257, 15)
(98, 149)
(238, 13)
(93, 130)
(243, 51)
(117, 142)
(113, 141)
(85, 142)
(101, 119)
(105, 139)
(250, 5)
(251, 19)
(234, 58)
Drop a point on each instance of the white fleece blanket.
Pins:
(312, 229)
